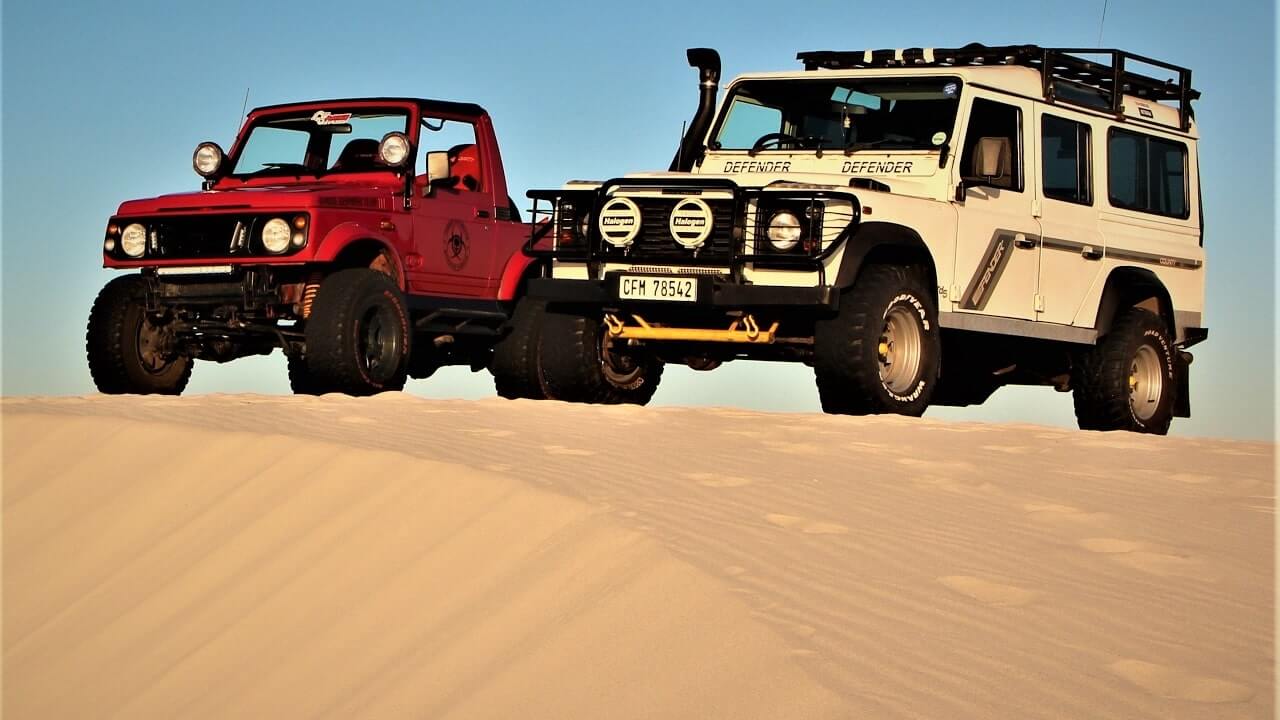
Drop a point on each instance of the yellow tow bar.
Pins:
(741, 330)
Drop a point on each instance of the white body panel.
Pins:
(1058, 255)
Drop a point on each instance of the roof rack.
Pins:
(1057, 66)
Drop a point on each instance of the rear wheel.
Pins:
(1128, 380)
(880, 353)
(582, 363)
(357, 335)
(130, 350)
(515, 367)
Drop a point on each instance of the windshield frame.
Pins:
(410, 113)
(834, 80)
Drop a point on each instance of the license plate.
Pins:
(638, 287)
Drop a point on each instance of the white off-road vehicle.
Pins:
(921, 226)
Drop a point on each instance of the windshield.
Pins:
(844, 114)
(317, 142)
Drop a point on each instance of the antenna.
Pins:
(1103, 22)
(243, 108)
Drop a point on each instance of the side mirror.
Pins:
(991, 158)
(437, 169)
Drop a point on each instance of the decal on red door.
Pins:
(457, 247)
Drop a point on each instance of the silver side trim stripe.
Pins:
(1014, 326)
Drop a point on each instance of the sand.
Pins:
(263, 557)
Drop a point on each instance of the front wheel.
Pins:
(581, 362)
(357, 335)
(1128, 381)
(880, 353)
(130, 350)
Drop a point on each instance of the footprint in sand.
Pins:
(1009, 449)
(1056, 512)
(988, 592)
(561, 450)
(792, 448)
(1175, 684)
(717, 481)
(490, 433)
(1152, 559)
(809, 527)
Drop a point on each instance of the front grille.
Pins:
(654, 242)
(205, 237)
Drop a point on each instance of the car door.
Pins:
(453, 222)
(997, 234)
(1072, 247)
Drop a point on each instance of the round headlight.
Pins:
(275, 235)
(394, 149)
(207, 159)
(784, 230)
(133, 241)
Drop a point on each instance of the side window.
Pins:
(1065, 150)
(1147, 174)
(457, 138)
(990, 119)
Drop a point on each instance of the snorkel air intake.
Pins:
(708, 63)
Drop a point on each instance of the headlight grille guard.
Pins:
(751, 209)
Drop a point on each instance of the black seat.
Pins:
(358, 155)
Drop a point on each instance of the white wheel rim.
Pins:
(899, 350)
(1146, 383)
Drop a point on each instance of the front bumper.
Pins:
(253, 289)
(713, 292)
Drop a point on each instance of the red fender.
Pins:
(512, 274)
(343, 235)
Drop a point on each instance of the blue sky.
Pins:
(106, 102)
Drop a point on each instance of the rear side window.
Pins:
(1147, 174)
(1065, 146)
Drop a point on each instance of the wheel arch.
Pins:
(885, 243)
(356, 247)
(1127, 286)
(515, 274)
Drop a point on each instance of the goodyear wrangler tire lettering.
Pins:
(860, 362)
(1128, 381)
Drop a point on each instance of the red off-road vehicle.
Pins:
(370, 239)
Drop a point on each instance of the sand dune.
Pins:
(246, 556)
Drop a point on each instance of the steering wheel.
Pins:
(778, 138)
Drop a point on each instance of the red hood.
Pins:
(293, 196)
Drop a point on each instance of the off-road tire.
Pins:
(1104, 398)
(516, 370)
(358, 334)
(114, 344)
(571, 351)
(847, 361)
(300, 380)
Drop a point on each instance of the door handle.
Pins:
(1091, 253)
(482, 213)
(1024, 242)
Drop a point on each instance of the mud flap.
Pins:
(1182, 366)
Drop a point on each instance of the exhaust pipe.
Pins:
(708, 63)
